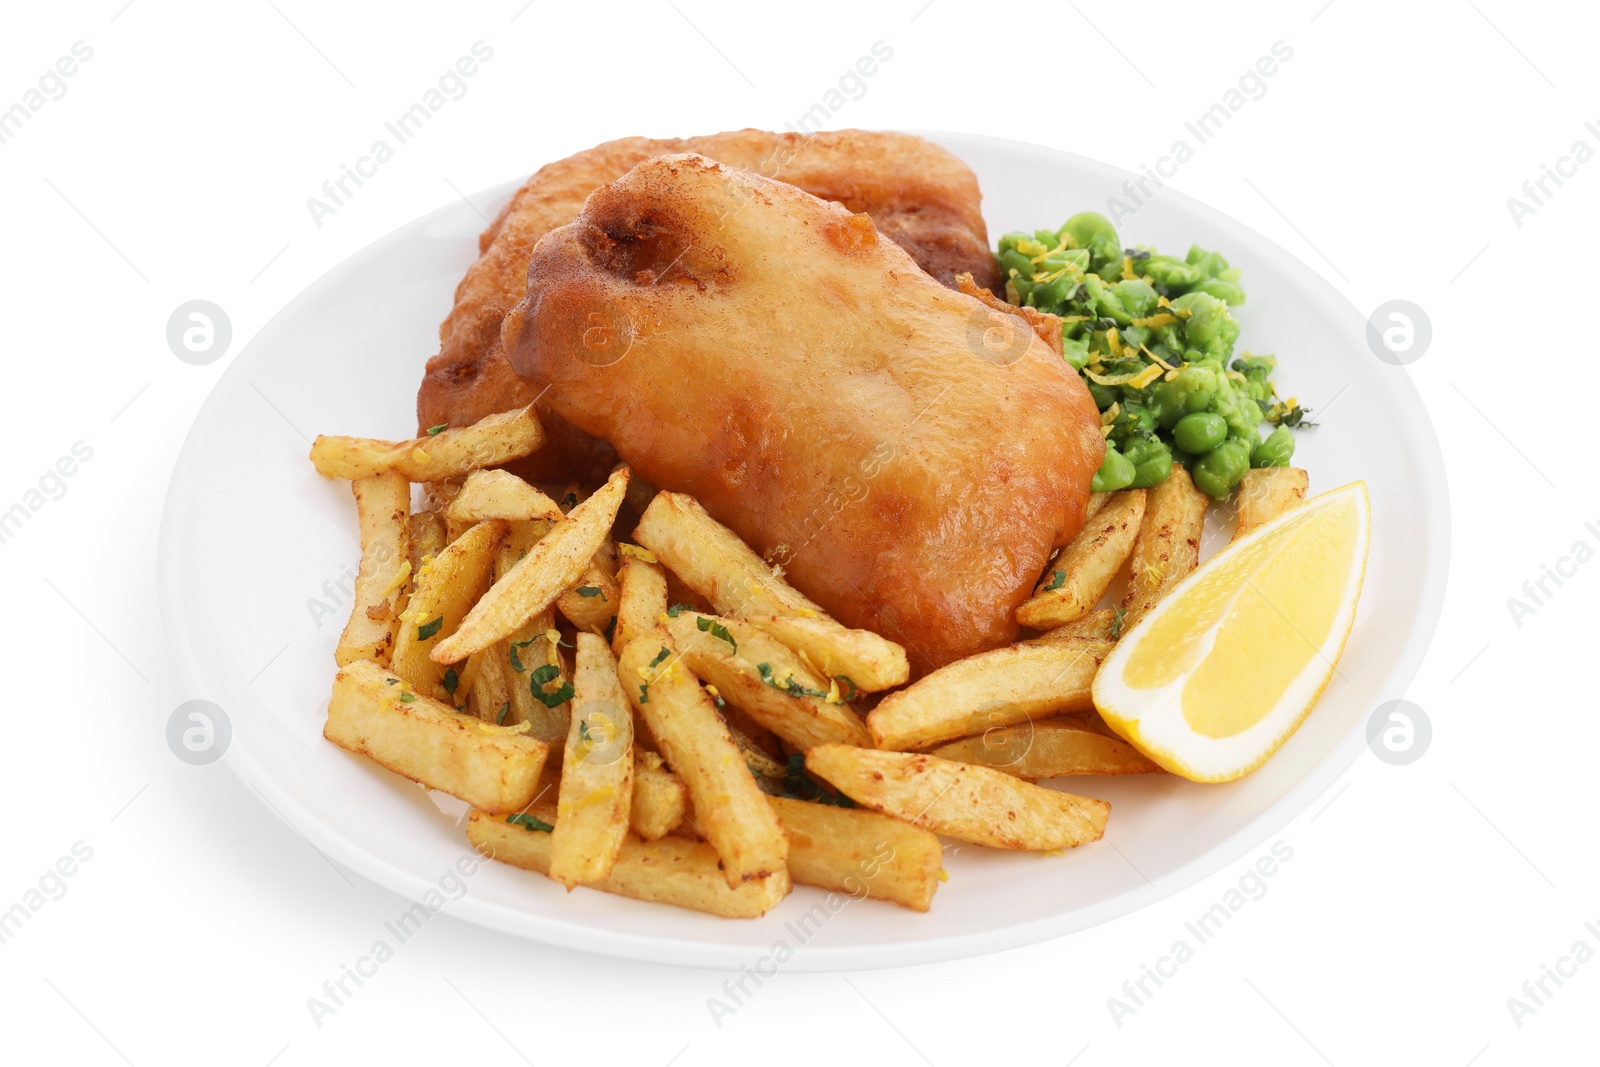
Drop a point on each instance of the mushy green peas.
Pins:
(1153, 338)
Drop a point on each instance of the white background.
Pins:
(177, 166)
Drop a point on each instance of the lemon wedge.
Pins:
(1228, 665)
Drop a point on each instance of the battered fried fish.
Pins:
(909, 454)
(920, 195)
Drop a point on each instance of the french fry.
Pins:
(496, 494)
(382, 504)
(976, 804)
(660, 799)
(488, 442)
(597, 773)
(592, 604)
(535, 672)
(712, 560)
(641, 595)
(1103, 625)
(1010, 685)
(1092, 508)
(715, 563)
(860, 853)
(551, 566)
(870, 662)
(1267, 492)
(441, 597)
(1081, 573)
(768, 772)
(539, 679)
(671, 870)
(733, 814)
(679, 593)
(758, 673)
(491, 690)
(427, 538)
(1168, 545)
(375, 713)
(1055, 748)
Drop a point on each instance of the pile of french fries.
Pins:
(668, 719)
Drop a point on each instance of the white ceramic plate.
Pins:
(251, 535)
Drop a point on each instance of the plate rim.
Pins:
(553, 929)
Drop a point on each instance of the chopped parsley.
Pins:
(677, 609)
(516, 661)
(786, 685)
(798, 785)
(663, 654)
(611, 629)
(500, 716)
(530, 823)
(428, 629)
(1057, 580)
(391, 681)
(570, 500)
(450, 680)
(845, 699)
(644, 694)
(541, 677)
(716, 629)
(588, 592)
(433, 431)
(1289, 413)
(1116, 623)
(406, 698)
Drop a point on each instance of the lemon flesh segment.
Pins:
(1223, 671)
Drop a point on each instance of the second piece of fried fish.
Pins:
(919, 194)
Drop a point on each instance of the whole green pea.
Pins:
(1053, 294)
(1275, 451)
(1086, 226)
(1136, 296)
(1200, 432)
(1104, 395)
(1012, 260)
(1134, 420)
(1152, 462)
(1228, 292)
(1165, 403)
(1116, 472)
(1218, 471)
(1196, 386)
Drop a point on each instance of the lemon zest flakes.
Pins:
(1146, 376)
(401, 573)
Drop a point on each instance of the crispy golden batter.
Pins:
(918, 194)
(909, 455)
